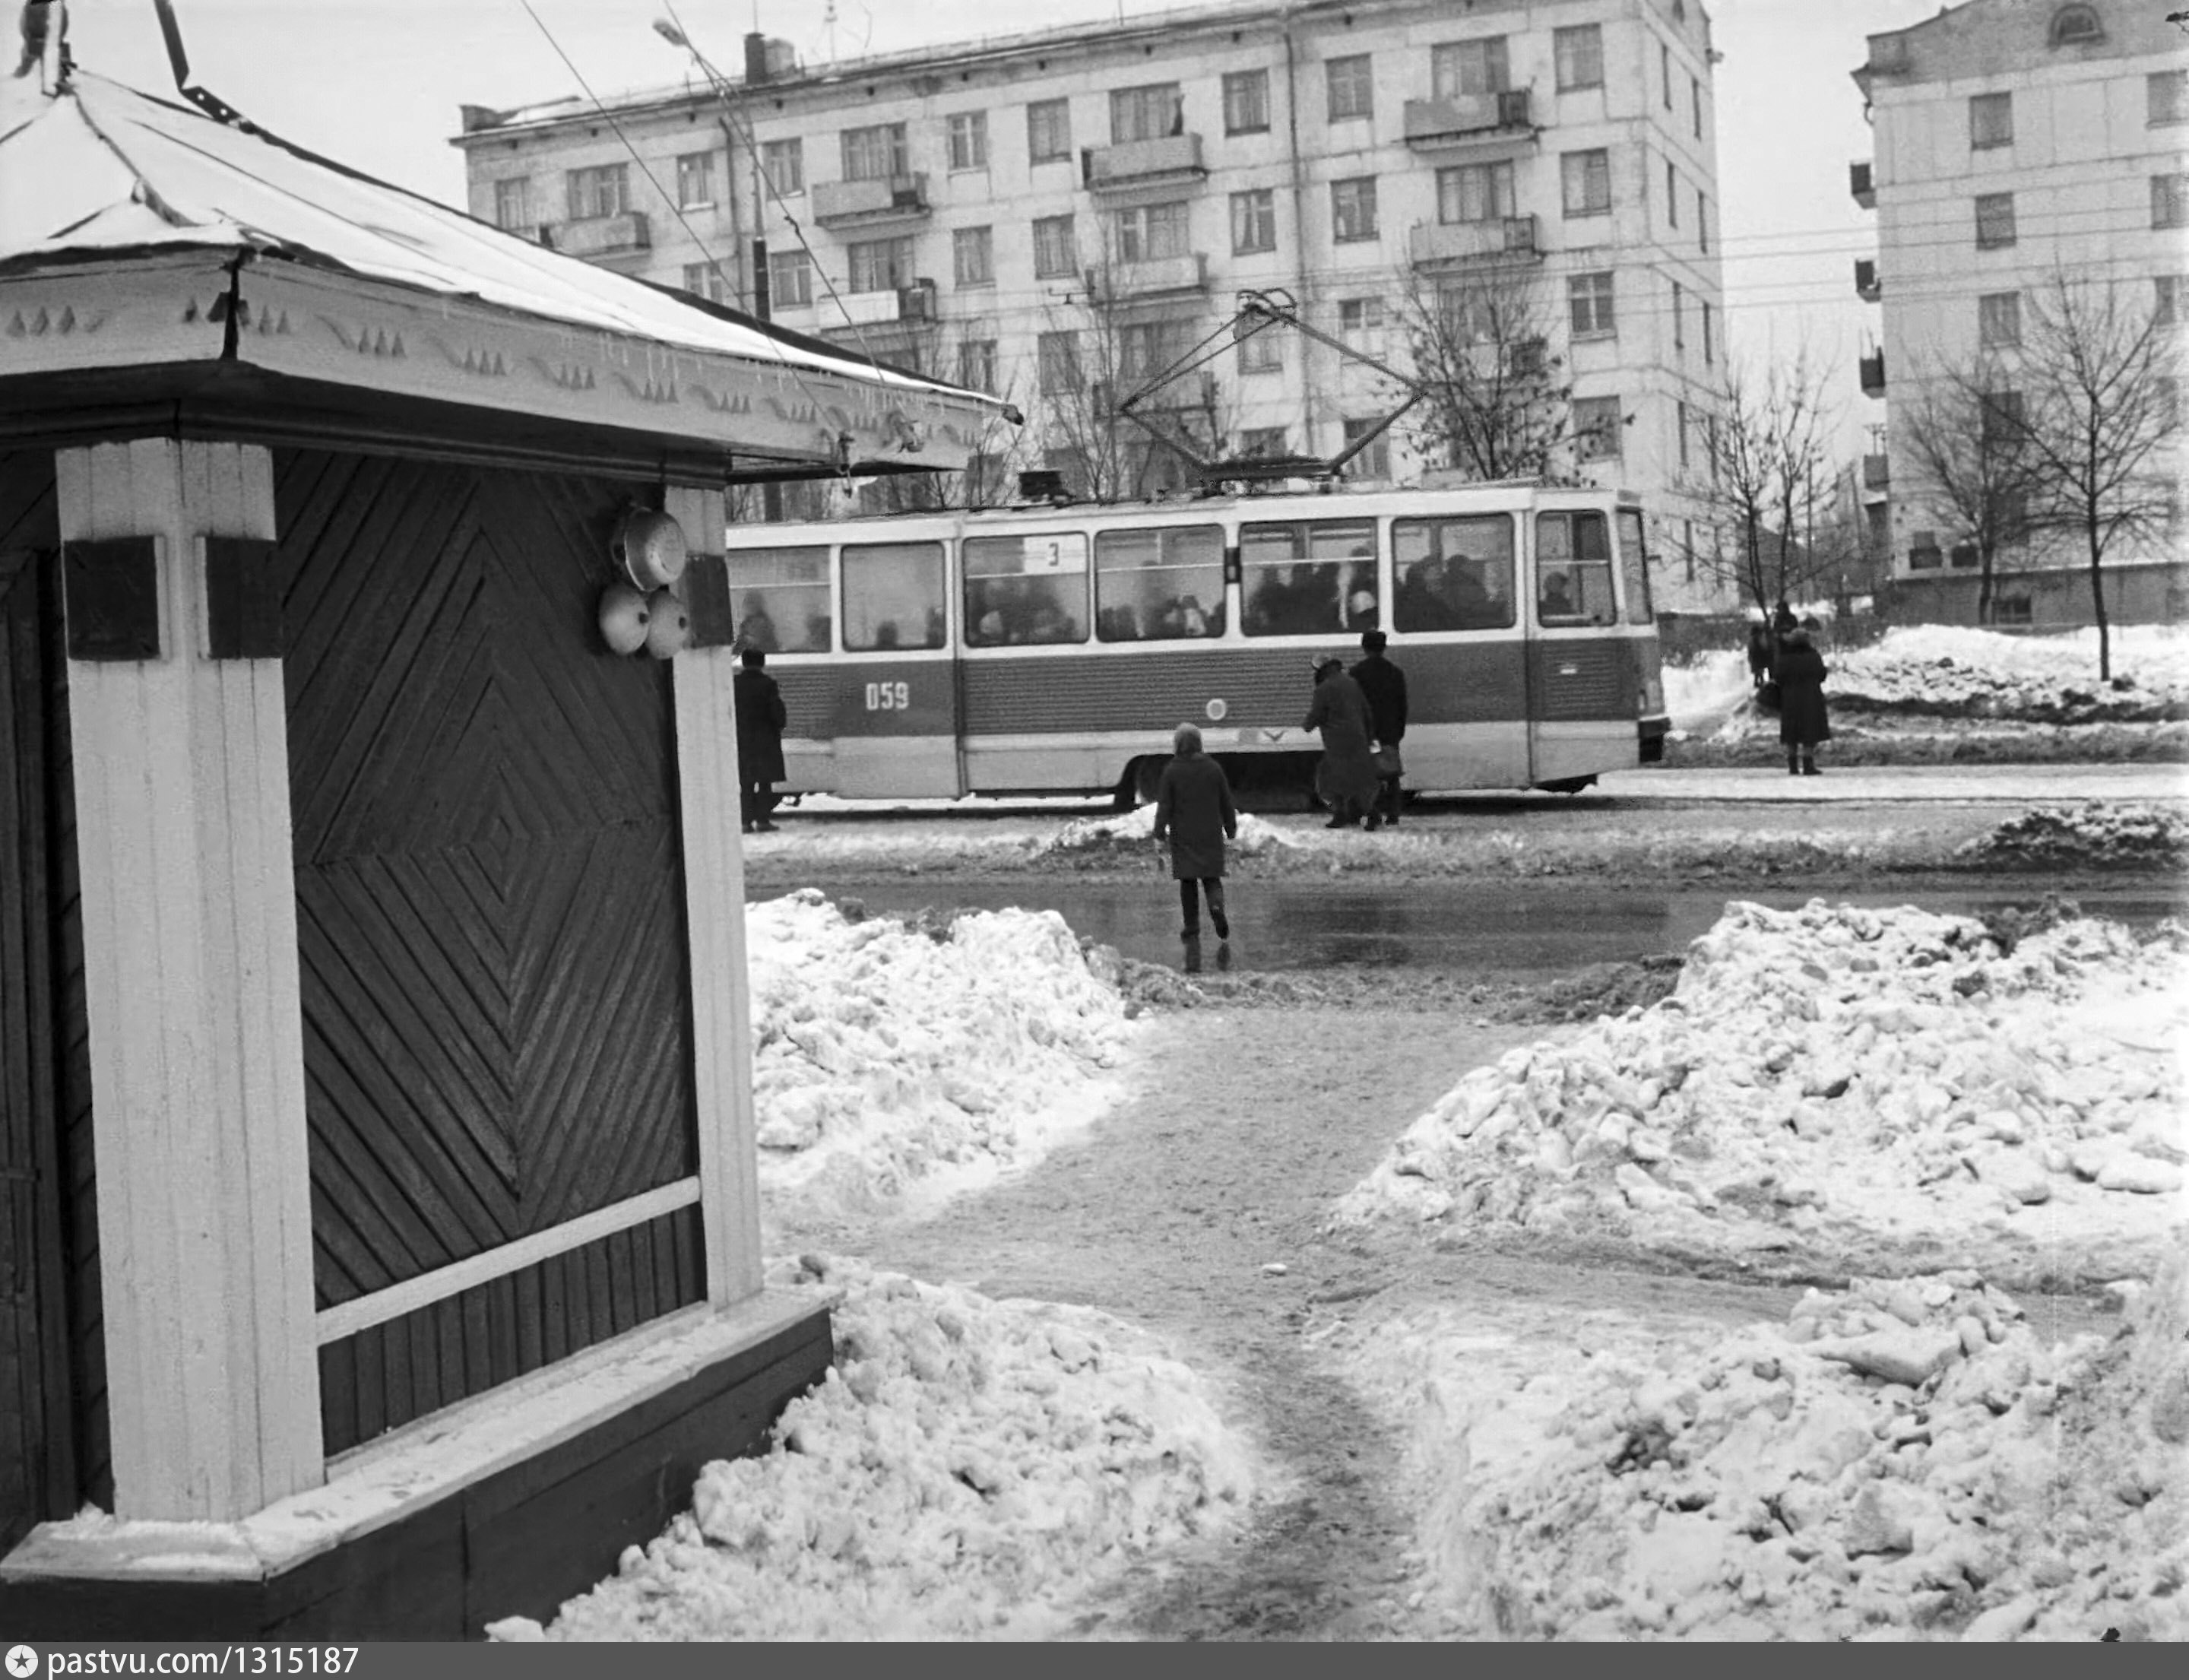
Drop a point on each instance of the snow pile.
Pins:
(1832, 1078)
(2095, 833)
(1708, 686)
(890, 1057)
(1134, 831)
(1948, 672)
(967, 1469)
(1901, 1458)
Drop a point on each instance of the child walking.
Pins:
(1195, 814)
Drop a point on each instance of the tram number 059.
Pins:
(889, 696)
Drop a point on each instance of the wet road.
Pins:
(1521, 933)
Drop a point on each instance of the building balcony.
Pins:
(598, 237)
(1873, 374)
(840, 204)
(1511, 238)
(1866, 285)
(910, 305)
(1859, 183)
(1157, 277)
(1134, 163)
(1876, 472)
(1470, 120)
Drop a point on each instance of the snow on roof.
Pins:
(99, 169)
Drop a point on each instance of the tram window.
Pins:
(1157, 584)
(893, 595)
(1026, 591)
(1312, 578)
(1453, 573)
(1634, 567)
(782, 598)
(1573, 569)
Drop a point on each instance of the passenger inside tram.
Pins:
(755, 629)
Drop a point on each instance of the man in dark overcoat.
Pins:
(760, 720)
(1383, 685)
(1195, 814)
(1346, 777)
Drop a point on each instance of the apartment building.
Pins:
(2016, 140)
(1057, 215)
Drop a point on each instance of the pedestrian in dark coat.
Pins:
(1346, 777)
(1195, 814)
(1383, 685)
(1802, 722)
(760, 722)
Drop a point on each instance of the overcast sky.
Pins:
(376, 83)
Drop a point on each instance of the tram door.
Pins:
(895, 700)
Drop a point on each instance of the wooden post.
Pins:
(189, 930)
(715, 902)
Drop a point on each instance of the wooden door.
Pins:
(490, 917)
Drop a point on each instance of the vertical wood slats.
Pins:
(393, 1373)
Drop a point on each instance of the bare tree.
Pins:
(1768, 445)
(1498, 404)
(2099, 413)
(1972, 460)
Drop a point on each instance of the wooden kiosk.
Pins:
(380, 1247)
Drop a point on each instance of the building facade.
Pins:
(2017, 142)
(1056, 216)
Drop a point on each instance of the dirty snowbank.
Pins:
(1869, 1089)
(901, 1064)
(2094, 834)
(1900, 1459)
(970, 1469)
(1134, 833)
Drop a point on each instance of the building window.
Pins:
(976, 365)
(1055, 248)
(513, 205)
(2169, 200)
(2166, 97)
(1923, 555)
(879, 264)
(1262, 442)
(1148, 233)
(1056, 360)
(1254, 222)
(1999, 319)
(1351, 92)
(1247, 102)
(1584, 182)
(1262, 352)
(705, 280)
(1702, 221)
(1580, 52)
(1597, 424)
(591, 193)
(1991, 121)
(695, 180)
(1695, 95)
(1683, 422)
(1679, 317)
(1146, 349)
(1710, 352)
(1664, 64)
(2075, 27)
(1352, 209)
(783, 163)
(875, 154)
(1474, 192)
(2001, 422)
(969, 140)
(1671, 194)
(1375, 461)
(2167, 309)
(1048, 131)
(1149, 113)
(1360, 322)
(1588, 297)
(973, 255)
(1461, 70)
(789, 279)
(1995, 221)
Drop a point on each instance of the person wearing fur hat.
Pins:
(1803, 721)
(1346, 777)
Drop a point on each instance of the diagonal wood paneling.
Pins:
(490, 900)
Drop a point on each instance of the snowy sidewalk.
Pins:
(2001, 784)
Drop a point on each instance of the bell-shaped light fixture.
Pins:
(668, 625)
(649, 547)
(626, 619)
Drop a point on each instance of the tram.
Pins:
(1052, 649)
